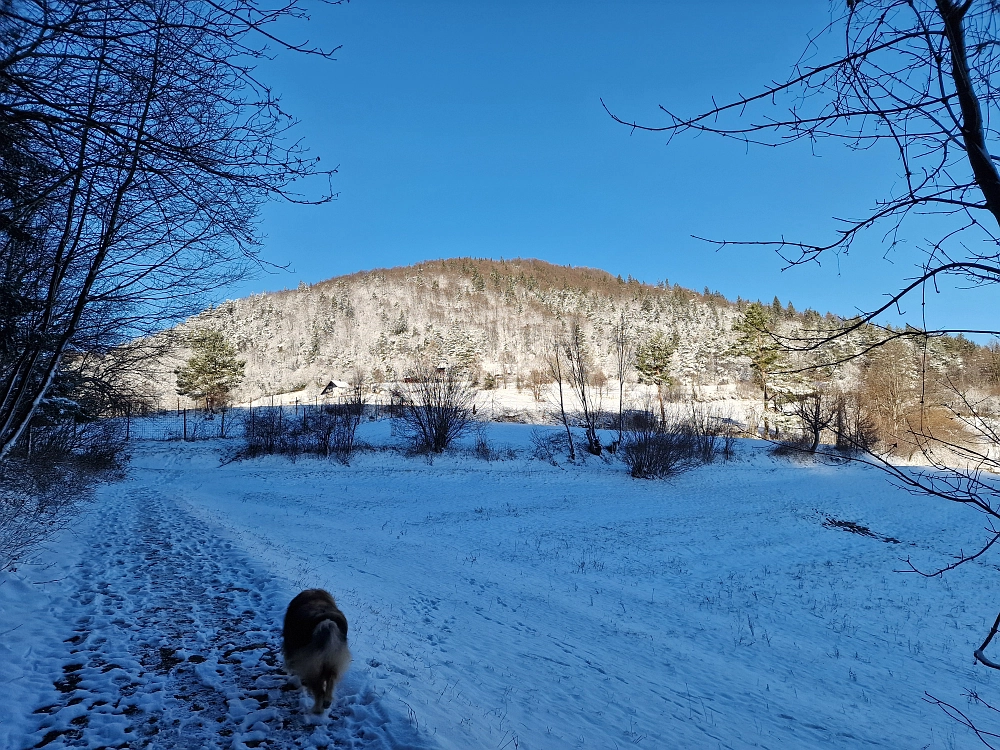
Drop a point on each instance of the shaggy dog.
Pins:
(315, 644)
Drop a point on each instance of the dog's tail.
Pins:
(325, 634)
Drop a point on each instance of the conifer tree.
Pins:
(754, 341)
(652, 360)
(213, 370)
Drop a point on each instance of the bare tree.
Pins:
(917, 76)
(435, 408)
(558, 370)
(815, 415)
(152, 146)
(579, 370)
(623, 346)
(920, 77)
(537, 382)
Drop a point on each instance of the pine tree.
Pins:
(652, 360)
(213, 370)
(754, 340)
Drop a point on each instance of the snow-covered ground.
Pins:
(508, 404)
(505, 604)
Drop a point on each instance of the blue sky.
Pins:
(476, 128)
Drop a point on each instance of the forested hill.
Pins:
(497, 319)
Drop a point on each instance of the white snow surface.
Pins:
(505, 604)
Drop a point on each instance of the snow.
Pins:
(506, 604)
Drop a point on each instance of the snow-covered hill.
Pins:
(498, 319)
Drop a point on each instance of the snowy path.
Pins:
(175, 644)
(511, 604)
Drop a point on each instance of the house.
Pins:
(335, 388)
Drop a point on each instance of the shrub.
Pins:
(546, 445)
(95, 446)
(653, 449)
(37, 498)
(434, 409)
(706, 430)
(330, 430)
(267, 430)
(53, 468)
(335, 429)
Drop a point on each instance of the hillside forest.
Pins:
(498, 322)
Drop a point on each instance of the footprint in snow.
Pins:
(174, 646)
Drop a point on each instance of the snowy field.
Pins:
(510, 604)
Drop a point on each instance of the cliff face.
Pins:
(498, 319)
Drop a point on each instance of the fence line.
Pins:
(200, 424)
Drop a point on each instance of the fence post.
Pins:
(128, 423)
(222, 424)
(185, 423)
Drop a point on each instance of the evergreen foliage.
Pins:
(754, 341)
(652, 359)
(213, 370)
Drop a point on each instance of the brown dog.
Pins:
(315, 644)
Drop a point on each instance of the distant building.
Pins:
(335, 388)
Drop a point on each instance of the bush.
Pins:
(53, 468)
(655, 452)
(434, 410)
(330, 430)
(705, 430)
(267, 430)
(484, 449)
(37, 499)
(653, 449)
(546, 445)
(335, 428)
(94, 446)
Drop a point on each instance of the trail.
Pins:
(174, 642)
(497, 604)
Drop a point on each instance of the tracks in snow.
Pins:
(175, 644)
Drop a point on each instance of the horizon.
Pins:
(628, 278)
(480, 131)
(658, 284)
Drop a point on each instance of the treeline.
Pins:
(495, 319)
(498, 321)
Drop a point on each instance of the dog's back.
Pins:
(315, 644)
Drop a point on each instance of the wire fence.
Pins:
(201, 424)
(184, 424)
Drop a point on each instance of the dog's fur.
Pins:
(315, 644)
